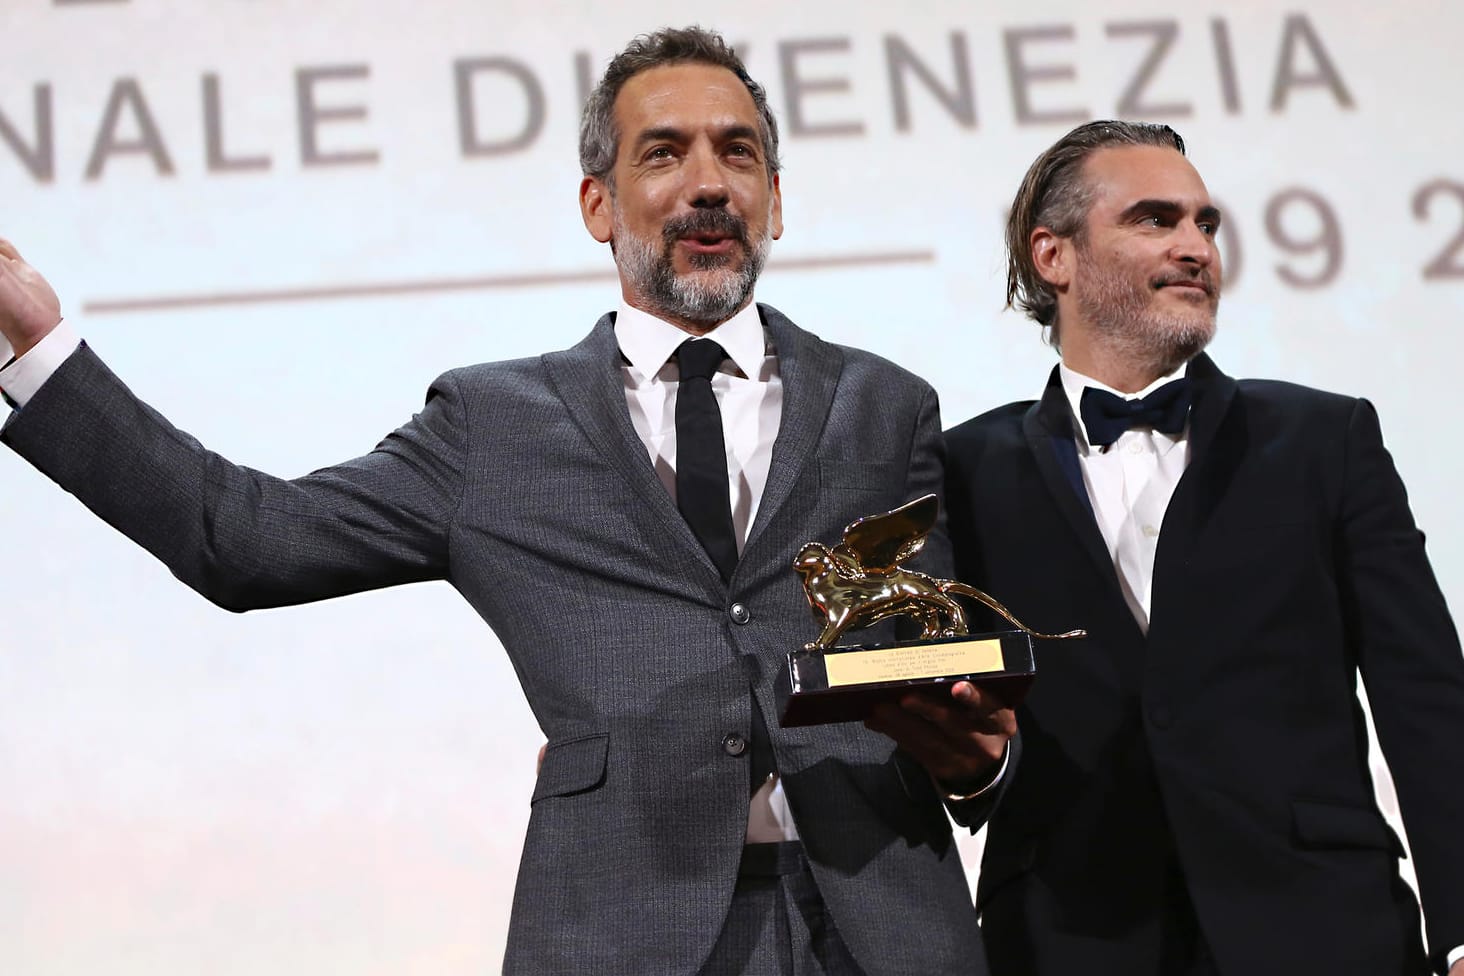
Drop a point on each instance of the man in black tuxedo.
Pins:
(1194, 794)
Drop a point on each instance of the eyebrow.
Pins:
(1167, 208)
(671, 133)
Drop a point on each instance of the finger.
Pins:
(959, 716)
(926, 742)
(949, 759)
(8, 250)
(976, 697)
(988, 704)
(937, 726)
(996, 714)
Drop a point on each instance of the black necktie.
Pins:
(701, 454)
(702, 495)
(1106, 416)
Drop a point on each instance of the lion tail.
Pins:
(955, 586)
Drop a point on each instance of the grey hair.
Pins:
(599, 139)
(1054, 195)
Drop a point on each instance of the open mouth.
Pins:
(707, 233)
(709, 243)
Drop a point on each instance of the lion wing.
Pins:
(879, 543)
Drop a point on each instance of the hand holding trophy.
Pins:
(860, 582)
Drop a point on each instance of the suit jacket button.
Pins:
(734, 744)
(1160, 717)
(740, 613)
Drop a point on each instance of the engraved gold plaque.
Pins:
(906, 662)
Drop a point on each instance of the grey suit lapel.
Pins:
(810, 369)
(587, 379)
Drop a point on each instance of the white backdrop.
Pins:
(280, 219)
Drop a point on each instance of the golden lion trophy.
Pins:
(860, 582)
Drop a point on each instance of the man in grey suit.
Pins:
(675, 828)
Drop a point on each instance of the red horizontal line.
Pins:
(392, 289)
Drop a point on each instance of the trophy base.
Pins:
(842, 684)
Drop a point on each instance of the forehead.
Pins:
(683, 96)
(1122, 175)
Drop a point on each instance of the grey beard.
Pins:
(1124, 314)
(710, 295)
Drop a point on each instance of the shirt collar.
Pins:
(1074, 382)
(647, 342)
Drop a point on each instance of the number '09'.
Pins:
(1304, 227)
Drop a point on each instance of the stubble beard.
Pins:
(1122, 310)
(714, 290)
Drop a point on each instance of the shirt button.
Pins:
(1150, 531)
(733, 744)
(1137, 447)
(740, 614)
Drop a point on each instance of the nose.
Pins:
(1193, 246)
(706, 181)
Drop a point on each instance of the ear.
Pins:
(595, 208)
(775, 223)
(1053, 257)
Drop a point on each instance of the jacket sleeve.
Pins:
(1408, 652)
(241, 538)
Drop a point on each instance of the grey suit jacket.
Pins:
(524, 485)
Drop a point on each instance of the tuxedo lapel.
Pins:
(1213, 394)
(1048, 427)
(1217, 439)
(810, 371)
(587, 379)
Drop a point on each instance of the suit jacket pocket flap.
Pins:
(1317, 824)
(572, 766)
(868, 475)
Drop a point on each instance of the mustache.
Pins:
(711, 222)
(1201, 276)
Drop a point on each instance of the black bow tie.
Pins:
(1106, 416)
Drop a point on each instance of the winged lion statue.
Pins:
(860, 581)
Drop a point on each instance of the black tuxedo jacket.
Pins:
(1223, 758)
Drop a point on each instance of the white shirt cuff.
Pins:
(22, 378)
(1006, 755)
(1454, 956)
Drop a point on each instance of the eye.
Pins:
(658, 153)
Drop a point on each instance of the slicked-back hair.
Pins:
(1055, 195)
(600, 136)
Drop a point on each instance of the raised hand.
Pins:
(29, 308)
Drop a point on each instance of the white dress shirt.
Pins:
(748, 388)
(749, 392)
(1129, 483)
(21, 379)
